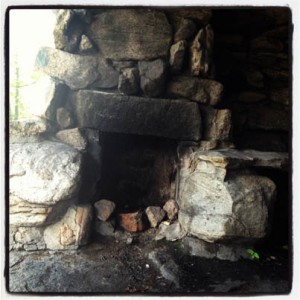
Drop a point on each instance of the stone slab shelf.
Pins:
(110, 112)
(233, 159)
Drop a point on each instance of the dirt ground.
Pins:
(137, 264)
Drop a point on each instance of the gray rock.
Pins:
(68, 30)
(166, 265)
(71, 231)
(200, 90)
(129, 81)
(75, 137)
(27, 131)
(177, 119)
(171, 208)
(196, 247)
(120, 34)
(177, 53)
(28, 235)
(85, 45)
(184, 29)
(214, 207)
(155, 215)
(61, 272)
(104, 209)
(216, 123)
(65, 67)
(171, 232)
(152, 77)
(44, 173)
(105, 228)
(64, 118)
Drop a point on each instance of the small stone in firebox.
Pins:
(105, 228)
(155, 215)
(104, 209)
(171, 207)
(132, 221)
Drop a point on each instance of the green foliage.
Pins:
(254, 255)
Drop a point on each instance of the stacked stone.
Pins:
(150, 72)
(45, 176)
(129, 74)
(257, 77)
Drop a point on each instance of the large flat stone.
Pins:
(120, 34)
(108, 112)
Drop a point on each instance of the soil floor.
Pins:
(128, 265)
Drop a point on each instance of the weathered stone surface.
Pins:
(171, 208)
(64, 118)
(44, 173)
(196, 89)
(197, 54)
(132, 222)
(200, 52)
(85, 45)
(184, 29)
(67, 31)
(75, 137)
(129, 81)
(177, 53)
(31, 235)
(152, 77)
(238, 208)
(234, 159)
(281, 96)
(105, 228)
(214, 208)
(171, 232)
(166, 265)
(120, 34)
(26, 131)
(65, 67)
(155, 215)
(71, 231)
(23, 213)
(196, 247)
(104, 209)
(109, 112)
(216, 123)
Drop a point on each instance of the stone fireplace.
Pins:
(164, 118)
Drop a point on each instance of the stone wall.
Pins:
(142, 103)
(252, 53)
